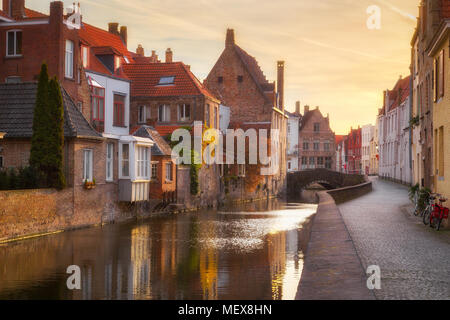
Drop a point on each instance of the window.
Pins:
(164, 113)
(289, 165)
(305, 145)
(154, 170)
(316, 127)
(98, 104)
(80, 106)
(87, 165)
(143, 163)
(215, 118)
(184, 112)
(439, 76)
(13, 43)
(328, 162)
(316, 146)
(304, 161)
(320, 161)
(116, 62)
(326, 146)
(240, 79)
(207, 115)
(220, 79)
(169, 171)
(142, 116)
(241, 170)
(311, 161)
(166, 81)
(125, 160)
(69, 59)
(109, 161)
(85, 55)
(119, 111)
(441, 153)
(13, 79)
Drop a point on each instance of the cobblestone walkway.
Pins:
(414, 259)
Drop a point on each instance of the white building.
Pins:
(394, 134)
(292, 137)
(367, 133)
(110, 101)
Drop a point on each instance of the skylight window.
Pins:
(164, 81)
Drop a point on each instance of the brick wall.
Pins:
(160, 186)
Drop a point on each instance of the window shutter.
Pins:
(435, 81)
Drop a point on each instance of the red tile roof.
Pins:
(145, 79)
(4, 14)
(29, 14)
(166, 130)
(339, 139)
(97, 37)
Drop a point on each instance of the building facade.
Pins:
(292, 135)
(367, 133)
(317, 141)
(354, 152)
(394, 133)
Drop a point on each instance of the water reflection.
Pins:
(243, 252)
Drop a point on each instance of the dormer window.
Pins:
(116, 62)
(166, 81)
(85, 55)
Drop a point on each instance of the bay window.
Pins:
(14, 43)
(143, 163)
(125, 160)
(69, 59)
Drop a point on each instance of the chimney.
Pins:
(140, 51)
(280, 84)
(15, 8)
(306, 110)
(297, 107)
(113, 27)
(56, 12)
(154, 57)
(229, 42)
(169, 56)
(124, 35)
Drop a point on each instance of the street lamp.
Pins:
(2, 134)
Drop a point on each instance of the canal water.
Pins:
(252, 251)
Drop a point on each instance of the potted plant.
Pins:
(89, 185)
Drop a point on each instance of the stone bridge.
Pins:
(298, 181)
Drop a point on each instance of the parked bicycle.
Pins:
(439, 213)
(429, 207)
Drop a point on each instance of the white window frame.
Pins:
(142, 114)
(15, 54)
(169, 172)
(85, 56)
(69, 59)
(109, 162)
(182, 112)
(165, 116)
(154, 164)
(123, 161)
(88, 165)
(142, 162)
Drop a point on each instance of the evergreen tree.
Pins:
(46, 157)
(41, 122)
(56, 141)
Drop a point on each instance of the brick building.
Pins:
(317, 141)
(168, 96)
(354, 152)
(238, 81)
(163, 169)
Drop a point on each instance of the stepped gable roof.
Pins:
(161, 147)
(17, 103)
(146, 80)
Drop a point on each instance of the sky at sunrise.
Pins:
(332, 59)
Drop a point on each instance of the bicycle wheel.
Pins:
(416, 210)
(437, 223)
(426, 216)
